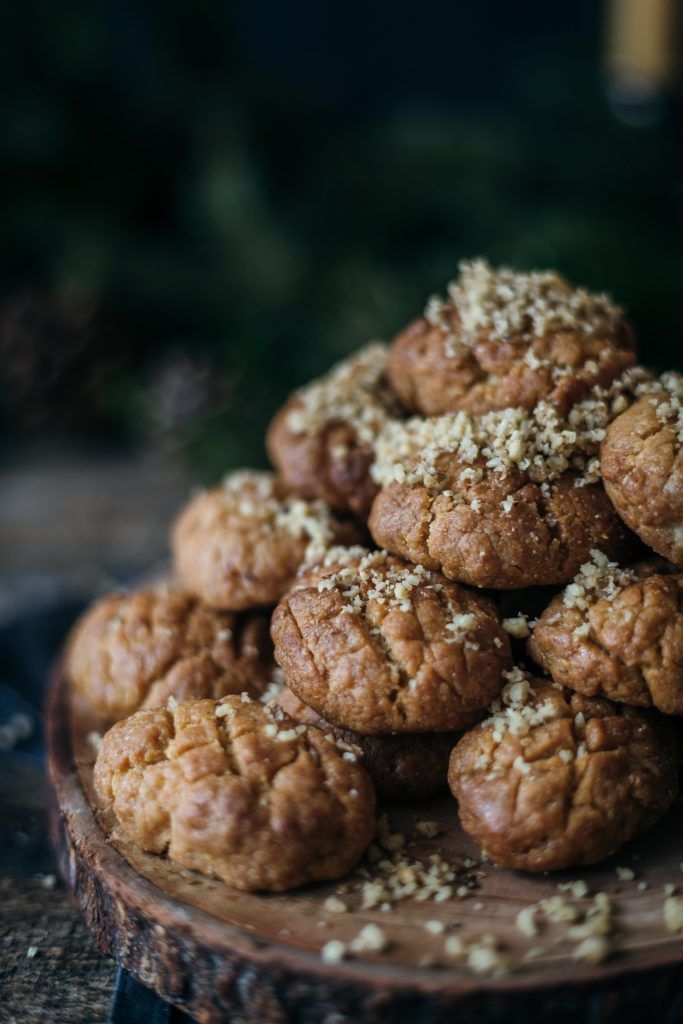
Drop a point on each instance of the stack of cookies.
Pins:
(499, 488)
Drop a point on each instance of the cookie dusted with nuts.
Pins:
(553, 779)
(508, 339)
(403, 766)
(506, 500)
(135, 650)
(321, 441)
(237, 790)
(241, 544)
(384, 646)
(617, 633)
(642, 466)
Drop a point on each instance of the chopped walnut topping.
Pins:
(429, 829)
(504, 302)
(671, 410)
(223, 710)
(517, 626)
(274, 688)
(370, 939)
(592, 950)
(311, 519)
(673, 914)
(596, 579)
(94, 738)
(598, 919)
(526, 921)
(459, 626)
(335, 905)
(352, 392)
(483, 956)
(578, 889)
(398, 877)
(334, 951)
(434, 927)
(543, 444)
(388, 585)
(515, 710)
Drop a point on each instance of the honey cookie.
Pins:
(403, 766)
(237, 790)
(241, 544)
(553, 779)
(321, 441)
(642, 466)
(616, 633)
(136, 650)
(507, 339)
(384, 646)
(504, 501)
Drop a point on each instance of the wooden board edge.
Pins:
(225, 974)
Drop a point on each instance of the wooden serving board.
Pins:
(223, 955)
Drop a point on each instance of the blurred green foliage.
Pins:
(230, 239)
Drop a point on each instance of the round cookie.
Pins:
(384, 646)
(504, 501)
(554, 779)
(237, 790)
(136, 650)
(505, 339)
(321, 441)
(616, 633)
(241, 544)
(403, 766)
(642, 466)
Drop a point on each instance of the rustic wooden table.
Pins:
(68, 521)
(50, 969)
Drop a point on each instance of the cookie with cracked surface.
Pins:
(553, 779)
(321, 441)
(135, 650)
(237, 790)
(241, 544)
(403, 766)
(642, 467)
(617, 633)
(504, 339)
(385, 646)
(504, 501)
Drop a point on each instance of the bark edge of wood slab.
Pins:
(218, 972)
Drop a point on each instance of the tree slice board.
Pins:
(223, 955)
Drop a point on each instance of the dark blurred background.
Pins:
(203, 205)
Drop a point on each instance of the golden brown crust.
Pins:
(136, 650)
(504, 339)
(240, 545)
(403, 766)
(555, 780)
(332, 464)
(384, 646)
(627, 645)
(321, 440)
(503, 532)
(238, 791)
(559, 367)
(642, 467)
